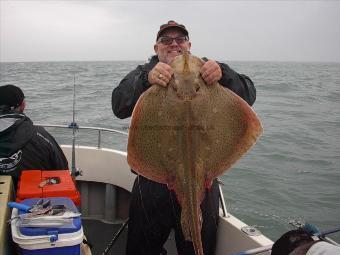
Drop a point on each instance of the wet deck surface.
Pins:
(100, 235)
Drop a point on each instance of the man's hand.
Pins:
(211, 72)
(160, 74)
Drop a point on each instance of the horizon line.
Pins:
(134, 60)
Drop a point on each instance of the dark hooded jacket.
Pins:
(126, 94)
(24, 146)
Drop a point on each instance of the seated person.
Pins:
(24, 146)
(302, 242)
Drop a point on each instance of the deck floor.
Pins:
(100, 234)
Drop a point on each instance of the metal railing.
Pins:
(100, 130)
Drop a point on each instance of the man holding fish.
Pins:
(154, 208)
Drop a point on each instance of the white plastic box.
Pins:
(53, 241)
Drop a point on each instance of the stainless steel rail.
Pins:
(100, 130)
(222, 201)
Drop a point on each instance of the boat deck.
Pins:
(100, 240)
(100, 234)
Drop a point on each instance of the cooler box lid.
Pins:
(37, 231)
(28, 185)
(65, 186)
(38, 183)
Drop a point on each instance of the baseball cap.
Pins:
(171, 24)
(11, 96)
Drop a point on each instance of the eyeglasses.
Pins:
(168, 40)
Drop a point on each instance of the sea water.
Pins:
(291, 175)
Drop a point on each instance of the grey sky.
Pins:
(125, 30)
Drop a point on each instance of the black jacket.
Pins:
(126, 94)
(24, 146)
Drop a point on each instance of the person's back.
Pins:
(24, 146)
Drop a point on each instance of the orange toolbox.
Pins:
(40, 184)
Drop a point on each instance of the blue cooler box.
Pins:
(64, 240)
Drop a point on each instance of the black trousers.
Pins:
(154, 211)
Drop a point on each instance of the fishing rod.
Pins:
(314, 231)
(114, 239)
(74, 127)
(330, 231)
